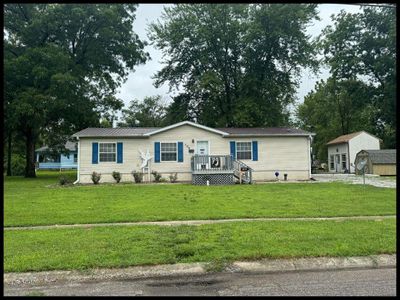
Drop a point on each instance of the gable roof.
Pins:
(347, 137)
(71, 146)
(186, 123)
(144, 132)
(386, 156)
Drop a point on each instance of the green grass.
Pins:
(120, 246)
(41, 201)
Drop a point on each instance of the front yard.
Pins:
(41, 201)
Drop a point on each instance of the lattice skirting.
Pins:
(214, 179)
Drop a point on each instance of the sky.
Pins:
(140, 83)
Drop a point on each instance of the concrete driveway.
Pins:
(375, 180)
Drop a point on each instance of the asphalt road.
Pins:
(362, 282)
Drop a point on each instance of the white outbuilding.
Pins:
(342, 150)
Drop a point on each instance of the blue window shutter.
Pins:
(180, 152)
(233, 149)
(255, 150)
(119, 153)
(95, 153)
(157, 152)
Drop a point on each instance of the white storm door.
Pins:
(202, 148)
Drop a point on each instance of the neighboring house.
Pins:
(379, 162)
(46, 160)
(343, 149)
(195, 152)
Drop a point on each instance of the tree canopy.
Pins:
(63, 63)
(359, 49)
(235, 64)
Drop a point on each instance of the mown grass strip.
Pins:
(120, 246)
(41, 202)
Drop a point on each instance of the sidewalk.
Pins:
(199, 222)
(159, 271)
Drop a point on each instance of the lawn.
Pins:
(120, 246)
(41, 201)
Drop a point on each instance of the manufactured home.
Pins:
(197, 153)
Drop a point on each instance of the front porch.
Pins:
(219, 169)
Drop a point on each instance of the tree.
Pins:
(63, 63)
(363, 46)
(336, 108)
(149, 113)
(237, 64)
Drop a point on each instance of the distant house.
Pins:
(379, 162)
(195, 152)
(47, 160)
(342, 150)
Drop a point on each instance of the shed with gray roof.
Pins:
(379, 162)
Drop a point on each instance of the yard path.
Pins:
(199, 222)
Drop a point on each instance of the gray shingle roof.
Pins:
(386, 156)
(115, 132)
(139, 131)
(265, 131)
(71, 146)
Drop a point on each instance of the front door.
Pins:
(202, 148)
(337, 163)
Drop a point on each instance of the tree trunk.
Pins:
(9, 154)
(30, 154)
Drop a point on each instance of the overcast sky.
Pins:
(140, 82)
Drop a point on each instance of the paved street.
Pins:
(363, 282)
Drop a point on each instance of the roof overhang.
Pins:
(270, 135)
(185, 123)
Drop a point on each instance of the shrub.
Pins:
(117, 176)
(63, 180)
(173, 177)
(17, 165)
(157, 176)
(138, 176)
(162, 179)
(96, 177)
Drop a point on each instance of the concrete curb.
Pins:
(200, 222)
(261, 266)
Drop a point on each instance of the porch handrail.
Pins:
(211, 163)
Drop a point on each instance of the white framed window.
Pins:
(168, 151)
(243, 150)
(332, 163)
(344, 161)
(107, 152)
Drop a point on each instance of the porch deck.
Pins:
(219, 169)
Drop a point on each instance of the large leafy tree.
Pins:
(63, 63)
(363, 46)
(148, 113)
(234, 64)
(335, 108)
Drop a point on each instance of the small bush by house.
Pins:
(63, 180)
(117, 176)
(138, 176)
(173, 177)
(157, 176)
(96, 177)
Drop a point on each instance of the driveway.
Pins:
(375, 180)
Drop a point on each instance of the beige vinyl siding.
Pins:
(384, 169)
(283, 154)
